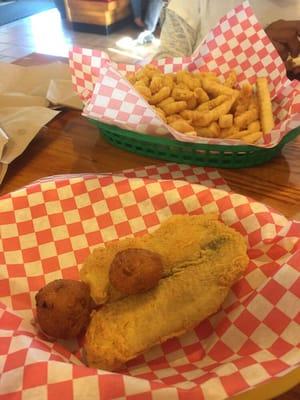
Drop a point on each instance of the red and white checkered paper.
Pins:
(48, 228)
(238, 42)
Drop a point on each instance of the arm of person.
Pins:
(285, 37)
(177, 38)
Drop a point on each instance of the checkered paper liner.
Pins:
(209, 177)
(238, 42)
(48, 228)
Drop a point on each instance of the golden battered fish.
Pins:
(202, 258)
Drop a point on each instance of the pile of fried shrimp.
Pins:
(202, 104)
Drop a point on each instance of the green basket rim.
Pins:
(196, 146)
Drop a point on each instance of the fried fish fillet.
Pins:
(177, 239)
(202, 258)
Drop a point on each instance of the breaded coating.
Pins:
(174, 240)
(202, 259)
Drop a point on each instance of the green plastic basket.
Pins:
(205, 155)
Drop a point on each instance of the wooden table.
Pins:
(69, 144)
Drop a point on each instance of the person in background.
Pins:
(137, 9)
(150, 21)
(187, 22)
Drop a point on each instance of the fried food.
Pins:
(244, 119)
(63, 308)
(243, 102)
(157, 83)
(192, 103)
(182, 125)
(201, 98)
(201, 95)
(202, 258)
(210, 131)
(211, 104)
(252, 137)
(226, 121)
(254, 126)
(198, 118)
(143, 90)
(216, 89)
(135, 271)
(175, 107)
(161, 95)
(246, 135)
(160, 112)
(265, 105)
(231, 79)
(179, 94)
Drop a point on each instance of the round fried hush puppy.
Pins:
(63, 308)
(134, 271)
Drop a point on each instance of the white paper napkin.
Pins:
(27, 95)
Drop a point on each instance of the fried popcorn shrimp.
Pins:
(246, 136)
(244, 99)
(160, 113)
(211, 131)
(150, 70)
(243, 120)
(192, 103)
(182, 126)
(191, 82)
(223, 108)
(254, 126)
(203, 104)
(131, 77)
(173, 117)
(253, 105)
(168, 100)
(201, 95)
(226, 132)
(209, 75)
(139, 74)
(199, 118)
(179, 94)
(230, 81)
(226, 121)
(143, 90)
(215, 88)
(162, 94)
(144, 80)
(182, 85)
(253, 137)
(180, 76)
(157, 83)
(169, 80)
(209, 105)
(204, 118)
(174, 108)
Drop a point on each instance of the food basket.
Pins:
(128, 121)
(201, 154)
(249, 348)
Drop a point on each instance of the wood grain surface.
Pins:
(70, 144)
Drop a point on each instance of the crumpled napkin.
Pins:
(28, 96)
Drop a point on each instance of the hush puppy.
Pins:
(135, 270)
(63, 308)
